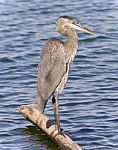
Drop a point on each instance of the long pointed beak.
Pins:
(78, 26)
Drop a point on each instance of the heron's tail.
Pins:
(41, 104)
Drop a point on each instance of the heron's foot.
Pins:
(60, 130)
(62, 133)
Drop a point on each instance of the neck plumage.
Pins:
(71, 44)
(72, 38)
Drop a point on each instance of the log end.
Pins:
(48, 127)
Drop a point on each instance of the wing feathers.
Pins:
(52, 67)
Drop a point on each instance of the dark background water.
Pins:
(89, 103)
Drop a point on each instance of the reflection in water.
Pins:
(37, 138)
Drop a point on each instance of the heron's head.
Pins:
(66, 22)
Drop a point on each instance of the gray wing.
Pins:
(52, 68)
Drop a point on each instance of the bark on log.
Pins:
(48, 127)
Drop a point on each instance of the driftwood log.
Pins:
(48, 127)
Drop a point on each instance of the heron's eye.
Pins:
(77, 23)
(73, 21)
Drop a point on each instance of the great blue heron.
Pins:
(54, 65)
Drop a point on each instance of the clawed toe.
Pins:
(60, 130)
(61, 133)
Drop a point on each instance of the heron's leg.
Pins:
(56, 113)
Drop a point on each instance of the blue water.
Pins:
(89, 103)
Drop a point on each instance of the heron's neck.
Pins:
(72, 37)
(71, 44)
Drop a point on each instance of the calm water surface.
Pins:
(89, 103)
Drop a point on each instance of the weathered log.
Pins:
(48, 127)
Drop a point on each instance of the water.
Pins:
(88, 105)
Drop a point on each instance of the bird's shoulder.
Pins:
(53, 48)
(54, 44)
(55, 41)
